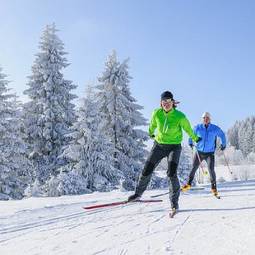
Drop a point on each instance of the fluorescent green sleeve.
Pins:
(185, 124)
(153, 124)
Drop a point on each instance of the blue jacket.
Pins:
(209, 136)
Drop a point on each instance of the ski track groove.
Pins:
(55, 220)
(140, 224)
(21, 227)
(179, 228)
(141, 213)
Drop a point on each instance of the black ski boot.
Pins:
(214, 191)
(173, 212)
(133, 197)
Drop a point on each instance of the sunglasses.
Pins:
(169, 100)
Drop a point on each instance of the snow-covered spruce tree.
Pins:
(242, 135)
(233, 156)
(49, 113)
(14, 167)
(159, 177)
(90, 155)
(232, 134)
(185, 165)
(122, 117)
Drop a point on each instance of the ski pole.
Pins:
(197, 174)
(159, 195)
(200, 163)
(227, 162)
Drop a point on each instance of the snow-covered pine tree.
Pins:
(242, 135)
(90, 154)
(185, 165)
(14, 167)
(253, 136)
(245, 137)
(159, 177)
(232, 134)
(233, 156)
(49, 113)
(122, 117)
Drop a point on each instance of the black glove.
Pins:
(198, 139)
(191, 145)
(222, 147)
(152, 136)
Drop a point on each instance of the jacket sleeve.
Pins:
(153, 124)
(222, 136)
(185, 124)
(190, 140)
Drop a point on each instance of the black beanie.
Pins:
(166, 95)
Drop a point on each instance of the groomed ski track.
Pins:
(204, 225)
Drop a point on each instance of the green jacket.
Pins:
(169, 126)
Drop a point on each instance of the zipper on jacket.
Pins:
(165, 128)
(206, 134)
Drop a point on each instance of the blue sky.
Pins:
(202, 51)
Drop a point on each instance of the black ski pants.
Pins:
(158, 152)
(210, 160)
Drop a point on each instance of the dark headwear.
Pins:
(166, 95)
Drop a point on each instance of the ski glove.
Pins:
(152, 136)
(222, 147)
(198, 139)
(191, 145)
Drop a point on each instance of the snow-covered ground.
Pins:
(205, 225)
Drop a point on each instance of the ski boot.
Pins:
(133, 197)
(173, 212)
(186, 187)
(215, 193)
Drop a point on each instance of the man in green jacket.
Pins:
(169, 123)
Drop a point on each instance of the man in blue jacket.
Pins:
(205, 149)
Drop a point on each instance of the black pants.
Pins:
(210, 160)
(158, 152)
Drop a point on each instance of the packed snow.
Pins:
(61, 226)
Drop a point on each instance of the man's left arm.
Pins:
(222, 137)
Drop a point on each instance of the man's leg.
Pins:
(195, 166)
(210, 160)
(153, 160)
(174, 185)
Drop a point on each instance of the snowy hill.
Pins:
(205, 225)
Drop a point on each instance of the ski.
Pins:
(121, 203)
(191, 189)
(197, 188)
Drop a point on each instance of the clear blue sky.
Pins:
(202, 51)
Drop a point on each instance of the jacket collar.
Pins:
(170, 112)
(207, 126)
